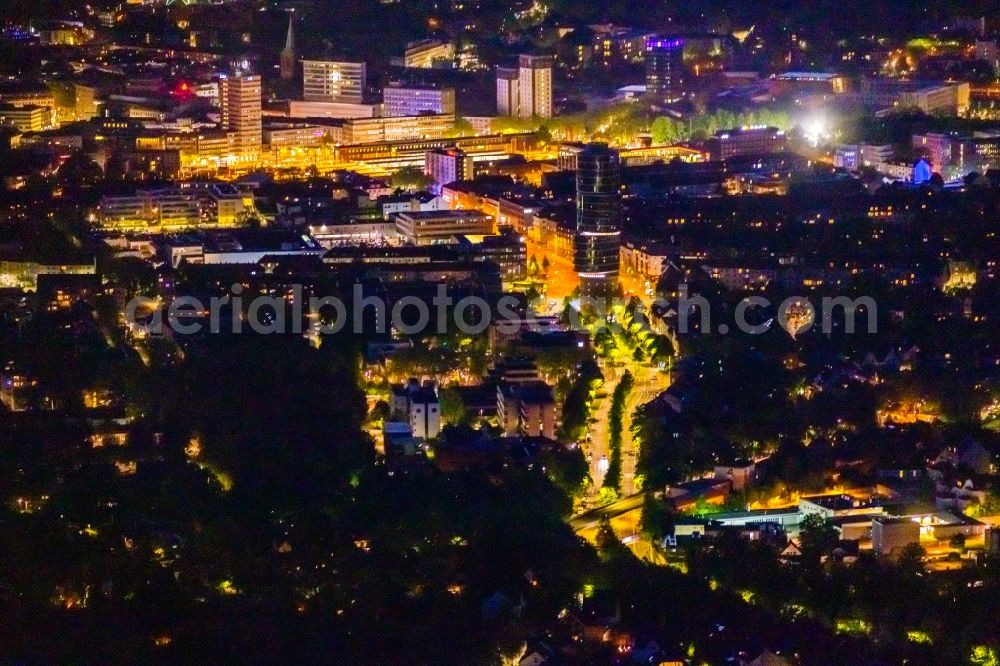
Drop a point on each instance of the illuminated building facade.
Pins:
(239, 96)
(439, 226)
(665, 68)
(398, 100)
(508, 91)
(855, 156)
(294, 135)
(428, 54)
(446, 165)
(395, 155)
(301, 109)
(174, 209)
(598, 227)
(330, 81)
(150, 211)
(534, 86)
(25, 118)
(375, 130)
(754, 140)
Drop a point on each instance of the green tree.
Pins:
(462, 127)
(453, 409)
(411, 178)
(817, 537)
(380, 411)
(666, 130)
(657, 519)
(577, 406)
(567, 469)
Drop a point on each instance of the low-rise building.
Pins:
(432, 227)
(428, 54)
(647, 260)
(755, 140)
(28, 118)
(740, 475)
(418, 404)
(527, 408)
(401, 128)
(401, 100)
(893, 534)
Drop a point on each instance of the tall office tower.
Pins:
(239, 96)
(598, 224)
(287, 57)
(508, 94)
(535, 86)
(328, 81)
(665, 68)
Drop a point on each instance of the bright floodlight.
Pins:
(814, 129)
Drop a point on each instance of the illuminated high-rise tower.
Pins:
(534, 86)
(239, 96)
(508, 91)
(333, 81)
(665, 68)
(598, 224)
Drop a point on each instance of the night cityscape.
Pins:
(515, 333)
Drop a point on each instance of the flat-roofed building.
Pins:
(440, 226)
(226, 205)
(755, 140)
(527, 408)
(34, 97)
(294, 135)
(24, 274)
(240, 98)
(535, 86)
(400, 100)
(648, 260)
(333, 81)
(893, 534)
(314, 109)
(429, 54)
(950, 98)
(836, 505)
(150, 211)
(508, 91)
(357, 232)
(377, 130)
(28, 118)
(446, 165)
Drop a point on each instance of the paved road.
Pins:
(649, 383)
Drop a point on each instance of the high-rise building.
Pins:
(239, 97)
(598, 225)
(287, 57)
(400, 100)
(534, 86)
(446, 165)
(665, 68)
(508, 91)
(329, 81)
